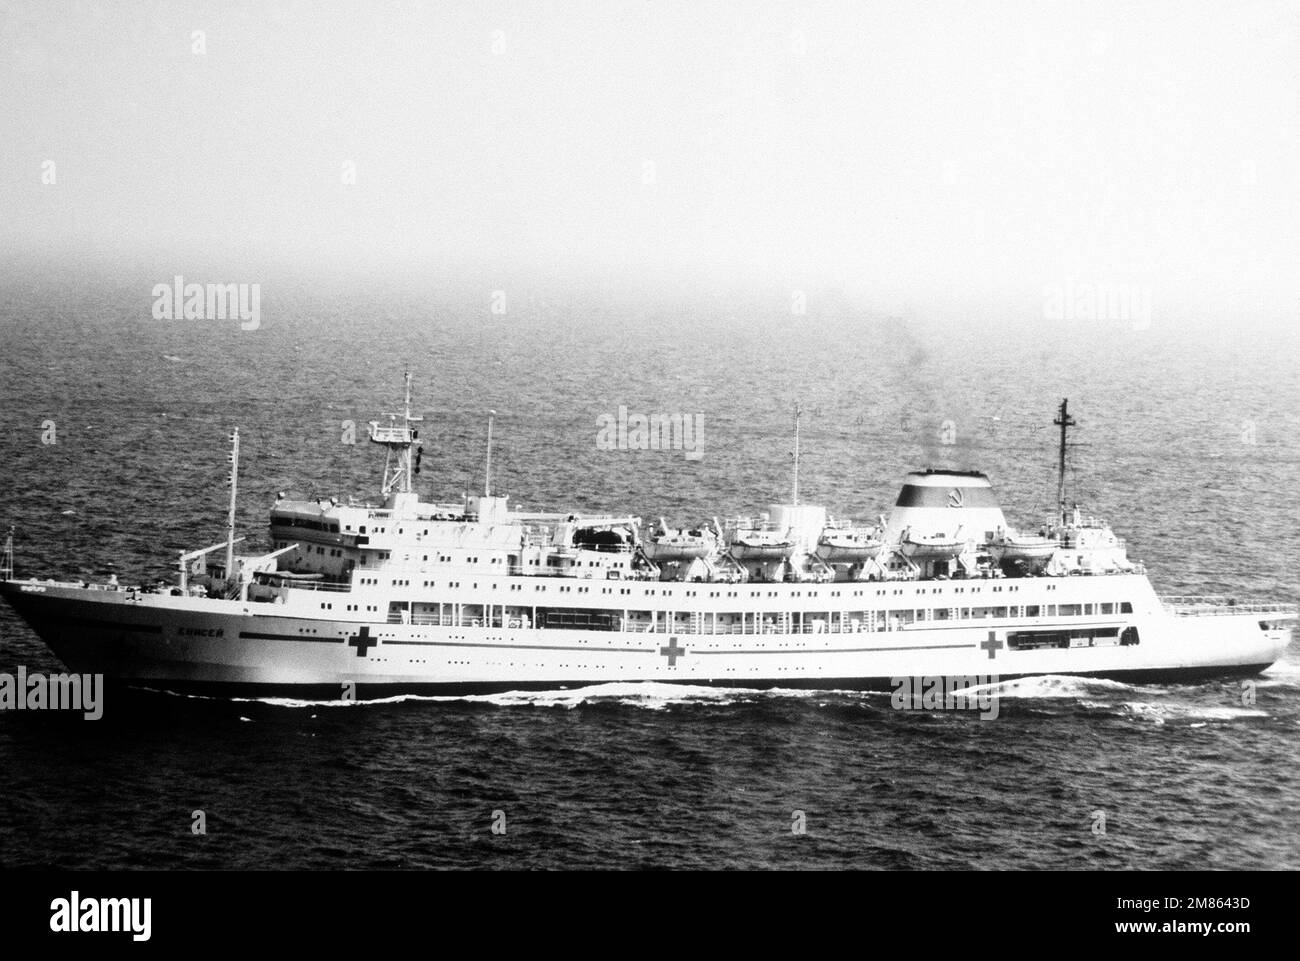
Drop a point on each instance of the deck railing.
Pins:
(1220, 605)
(298, 585)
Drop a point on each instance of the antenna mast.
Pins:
(487, 479)
(1064, 421)
(234, 490)
(797, 413)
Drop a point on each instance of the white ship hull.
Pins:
(359, 599)
(183, 642)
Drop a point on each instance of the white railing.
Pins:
(1219, 605)
(449, 620)
(297, 585)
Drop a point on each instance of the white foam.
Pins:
(1090, 693)
(648, 694)
(1053, 686)
(1160, 713)
(1283, 670)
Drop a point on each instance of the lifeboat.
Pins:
(931, 547)
(758, 545)
(680, 544)
(1023, 551)
(847, 545)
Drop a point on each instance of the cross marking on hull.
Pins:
(672, 651)
(362, 641)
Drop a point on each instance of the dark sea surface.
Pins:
(1189, 438)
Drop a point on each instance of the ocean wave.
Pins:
(648, 694)
(1094, 694)
(1283, 672)
(1161, 713)
(1053, 686)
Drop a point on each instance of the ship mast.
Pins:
(487, 477)
(401, 442)
(234, 489)
(797, 413)
(7, 558)
(1064, 421)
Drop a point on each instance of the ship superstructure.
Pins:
(472, 595)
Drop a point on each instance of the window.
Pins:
(1082, 637)
(577, 619)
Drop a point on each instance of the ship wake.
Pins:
(646, 694)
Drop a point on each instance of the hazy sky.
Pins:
(891, 149)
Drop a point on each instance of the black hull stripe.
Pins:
(692, 650)
(523, 647)
(1002, 623)
(838, 650)
(255, 636)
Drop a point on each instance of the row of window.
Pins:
(332, 552)
(1065, 609)
(611, 619)
(326, 526)
(1082, 637)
